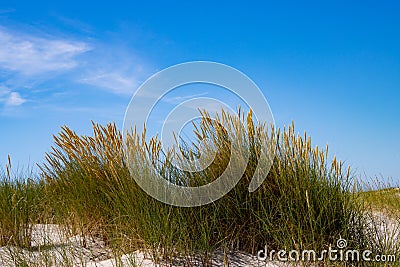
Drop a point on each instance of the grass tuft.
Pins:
(305, 201)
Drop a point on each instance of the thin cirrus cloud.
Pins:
(114, 68)
(25, 57)
(15, 99)
(115, 82)
(31, 55)
(36, 58)
(11, 99)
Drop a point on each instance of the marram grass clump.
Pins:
(22, 203)
(305, 201)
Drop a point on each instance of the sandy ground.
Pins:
(51, 246)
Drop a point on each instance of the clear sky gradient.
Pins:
(332, 67)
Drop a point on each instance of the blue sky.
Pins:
(332, 67)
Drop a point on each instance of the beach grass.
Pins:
(21, 205)
(305, 202)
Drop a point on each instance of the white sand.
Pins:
(56, 247)
(53, 246)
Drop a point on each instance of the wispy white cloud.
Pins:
(27, 59)
(30, 55)
(114, 68)
(15, 99)
(115, 82)
(39, 67)
(180, 99)
(9, 98)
